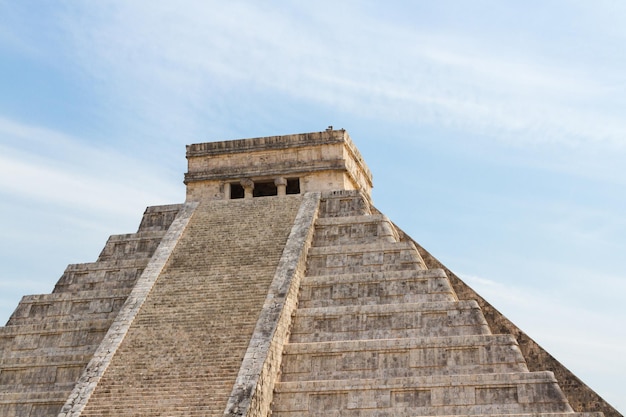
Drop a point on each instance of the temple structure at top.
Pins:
(276, 165)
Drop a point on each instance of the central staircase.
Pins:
(376, 333)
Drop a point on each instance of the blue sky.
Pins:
(495, 131)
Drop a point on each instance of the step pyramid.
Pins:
(277, 289)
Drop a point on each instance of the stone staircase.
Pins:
(51, 337)
(183, 349)
(378, 334)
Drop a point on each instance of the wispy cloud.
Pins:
(570, 328)
(52, 168)
(192, 53)
(534, 306)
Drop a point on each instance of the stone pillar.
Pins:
(281, 185)
(248, 187)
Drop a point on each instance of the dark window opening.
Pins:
(293, 185)
(264, 189)
(236, 191)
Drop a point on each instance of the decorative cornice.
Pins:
(266, 143)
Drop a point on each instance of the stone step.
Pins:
(335, 231)
(44, 306)
(388, 321)
(45, 328)
(47, 354)
(27, 404)
(343, 203)
(394, 358)
(409, 413)
(46, 350)
(36, 318)
(177, 405)
(159, 218)
(372, 257)
(43, 389)
(104, 275)
(27, 358)
(15, 374)
(132, 245)
(508, 393)
(68, 335)
(564, 414)
(391, 287)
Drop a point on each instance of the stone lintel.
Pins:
(285, 169)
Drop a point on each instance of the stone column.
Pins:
(281, 185)
(248, 187)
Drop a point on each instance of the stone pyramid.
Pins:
(276, 288)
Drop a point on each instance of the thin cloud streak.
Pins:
(201, 50)
(48, 167)
(598, 346)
